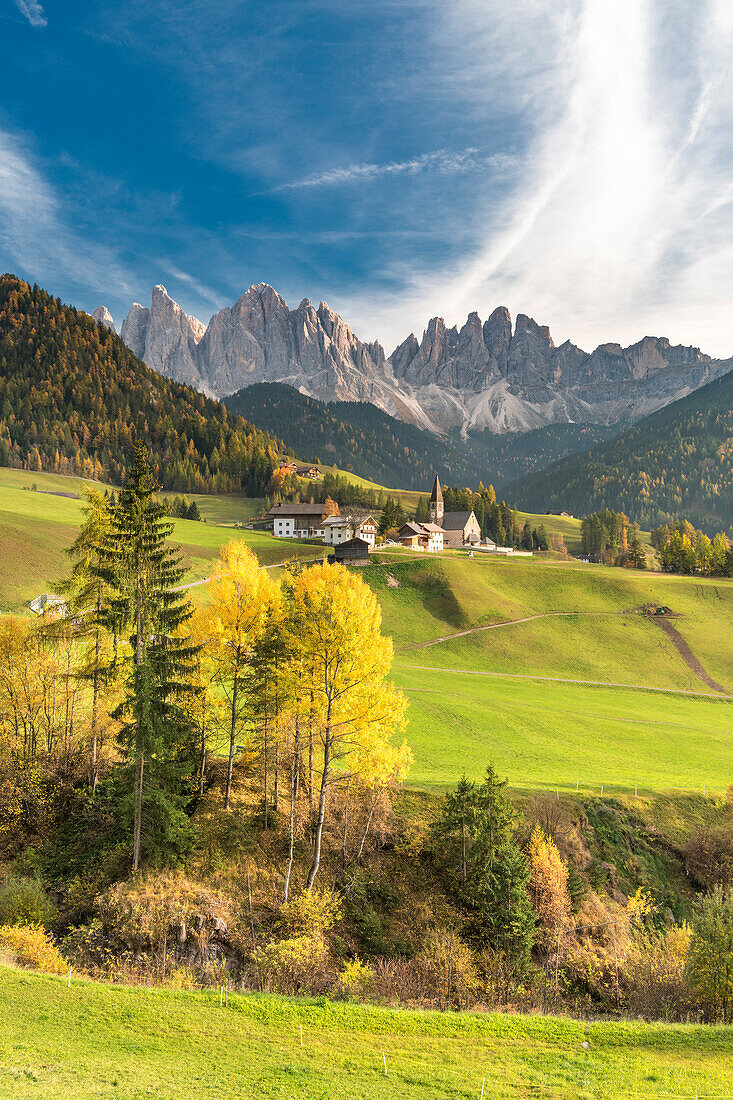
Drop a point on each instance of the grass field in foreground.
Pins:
(103, 1041)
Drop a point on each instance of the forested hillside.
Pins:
(676, 463)
(75, 400)
(359, 437)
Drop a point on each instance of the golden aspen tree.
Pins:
(206, 706)
(548, 883)
(243, 597)
(336, 621)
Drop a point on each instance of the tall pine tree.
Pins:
(161, 660)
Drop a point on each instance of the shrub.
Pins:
(311, 913)
(30, 946)
(709, 856)
(450, 962)
(296, 965)
(356, 979)
(654, 976)
(24, 901)
(710, 960)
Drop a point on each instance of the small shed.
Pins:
(353, 552)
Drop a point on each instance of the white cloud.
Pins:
(33, 11)
(619, 221)
(441, 161)
(36, 237)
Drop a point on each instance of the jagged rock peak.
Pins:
(492, 374)
(103, 317)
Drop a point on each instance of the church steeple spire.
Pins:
(436, 503)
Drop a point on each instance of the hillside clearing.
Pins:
(94, 1040)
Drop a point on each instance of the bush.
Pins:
(709, 856)
(654, 976)
(296, 965)
(24, 901)
(710, 957)
(312, 913)
(31, 947)
(356, 979)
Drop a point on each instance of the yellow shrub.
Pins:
(295, 965)
(311, 914)
(31, 947)
(356, 978)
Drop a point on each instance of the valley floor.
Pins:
(94, 1040)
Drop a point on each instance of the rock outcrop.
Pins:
(484, 375)
(103, 317)
(166, 339)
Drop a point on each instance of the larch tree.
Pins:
(144, 601)
(243, 597)
(336, 625)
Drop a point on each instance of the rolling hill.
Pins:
(541, 696)
(359, 436)
(676, 463)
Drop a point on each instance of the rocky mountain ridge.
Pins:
(484, 375)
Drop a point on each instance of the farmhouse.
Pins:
(459, 528)
(298, 521)
(421, 536)
(350, 525)
(311, 472)
(289, 466)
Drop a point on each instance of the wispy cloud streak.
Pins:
(442, 162)
(35, 234)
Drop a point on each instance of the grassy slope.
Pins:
(543, 734)
(102, 1041)
(37, 527)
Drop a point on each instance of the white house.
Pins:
(298, 521)
(353, 525)
(422, 536)
(49, 603)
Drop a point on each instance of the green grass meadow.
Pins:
(469, 700)
(36, 527)
(95, 1040)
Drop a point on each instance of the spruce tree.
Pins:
(87, 590)
(475, 834)
(145, 573)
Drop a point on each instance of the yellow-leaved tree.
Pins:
(336, 624)
(548, 884)
(243, 596)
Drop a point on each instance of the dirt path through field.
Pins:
(725, 697)
(686, 653)
(509, 622)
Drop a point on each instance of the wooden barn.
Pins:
(353, 552)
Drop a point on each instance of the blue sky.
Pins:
(571, 159)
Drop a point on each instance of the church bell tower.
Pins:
(436, 503)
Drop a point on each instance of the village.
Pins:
(354, 533)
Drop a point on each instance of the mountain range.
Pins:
(497, 374)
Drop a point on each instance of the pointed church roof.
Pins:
(436, 497)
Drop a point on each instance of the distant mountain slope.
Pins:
(493, 374)
(74, 399)
(676, 463)
(360, 437)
